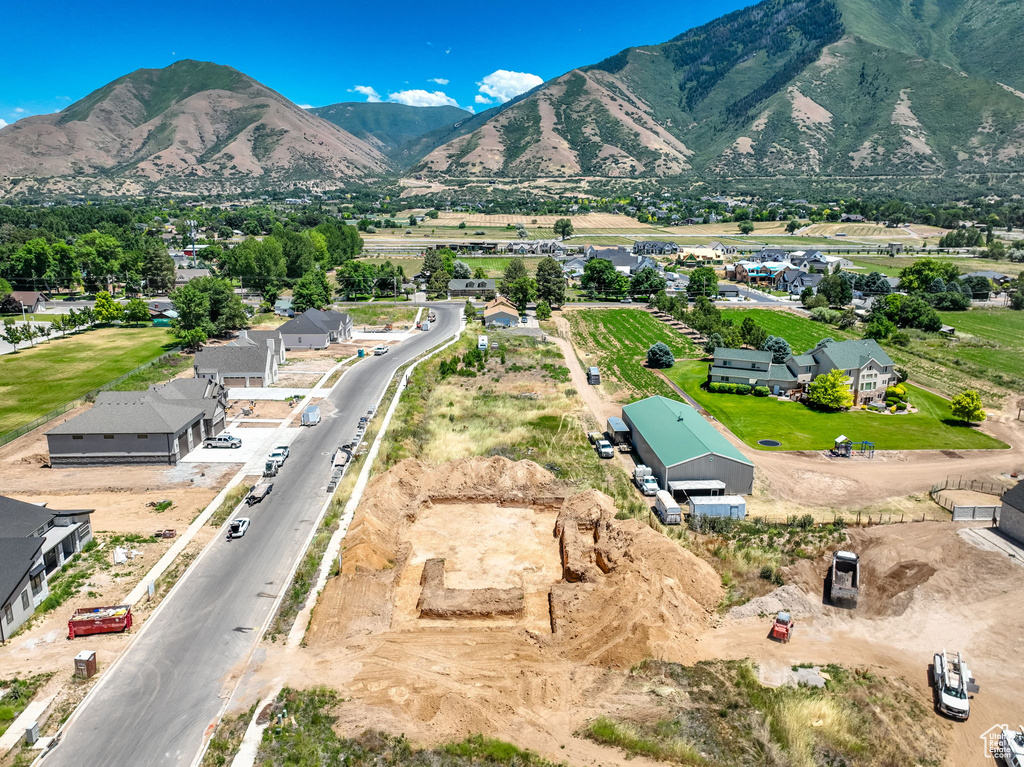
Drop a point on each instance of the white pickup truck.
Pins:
(644, 480)
(605, 449)
(953, 685)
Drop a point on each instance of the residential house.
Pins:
(692, 221)
(816, 261)
(129, 428)
(700, 256)
(997, 278)
(185, 276)
(728, 291)
(238, 366)
(654, 248)
(260, 338)
(205, 392)
(766, 255)
(501, 313)
(723, 250)
(869, 370)
(574, 267)
(316, 329)
(283, 307)
(34, 541)
(30, 300)
(754, 273)
(794, 281)
(471, 288)
(851, 218)
(623, 261)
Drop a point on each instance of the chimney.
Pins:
(243, 335)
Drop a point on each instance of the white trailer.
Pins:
(311, 415)
(668, 510)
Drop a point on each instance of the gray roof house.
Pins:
(471, 288)
(316, 329)
(869, 370)
(34, 541)
(253, 364)
(654, 248)
(622, 259)
(997, 277)
(159, 426)
(260, 338)
(184, 276)
(795, 280)
(30, 300)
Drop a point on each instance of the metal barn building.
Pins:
(682, 448)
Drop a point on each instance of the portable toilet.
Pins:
(362, 353)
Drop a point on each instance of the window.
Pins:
(24, 600)
(8, 614)
(108, 436)
(77, 436)
(141, 436)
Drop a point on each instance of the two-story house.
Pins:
(869, 370)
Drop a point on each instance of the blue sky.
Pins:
(466, 53)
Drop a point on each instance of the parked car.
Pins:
(238, 527)
(280, 454)
(524, 319)
(222, 440)
(626, 301)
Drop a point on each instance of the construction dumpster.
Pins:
(100, 620)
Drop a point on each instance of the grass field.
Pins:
(380, 314)
(799, 428)
(617, 340)
(892, 266)
(802, 333)
(37, 380)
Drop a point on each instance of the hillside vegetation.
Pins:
(784, 90)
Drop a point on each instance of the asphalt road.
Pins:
(157, 704)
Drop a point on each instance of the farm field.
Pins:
(799, 428)
(617, 341)
(587, 222)
(37, 380)
(892, 266)
(802, 333)
(1003, 326)
(760, 227)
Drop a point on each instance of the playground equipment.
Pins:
(845, 447)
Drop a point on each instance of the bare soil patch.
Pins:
(598, 594)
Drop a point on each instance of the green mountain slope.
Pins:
(389, 126)
(844, 89)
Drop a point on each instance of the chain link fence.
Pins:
(43, 419)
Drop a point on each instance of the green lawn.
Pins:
(380, 314)
(802, 333)
(1004, 326)
(37, 380)
(32, 317)
(617, 340)
(800, 428)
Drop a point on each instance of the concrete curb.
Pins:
(250, 745)
(298, 631)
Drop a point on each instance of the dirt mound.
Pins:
(791, 598)
(420, 629)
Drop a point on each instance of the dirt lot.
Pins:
(924, 589)
(597, 594)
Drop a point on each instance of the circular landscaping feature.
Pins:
(769, 443)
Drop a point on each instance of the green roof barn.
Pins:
(682, 448)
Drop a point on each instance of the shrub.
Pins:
(892, 409)
(761, 391)
(900, 339)
(660, 356)
(901, 406)
(742, 389)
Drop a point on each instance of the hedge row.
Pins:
(717, 387)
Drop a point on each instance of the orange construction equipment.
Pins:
(389, 327)
(782, 629)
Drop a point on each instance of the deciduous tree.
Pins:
(966, 406)
(830, 391)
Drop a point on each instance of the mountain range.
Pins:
(876, 92)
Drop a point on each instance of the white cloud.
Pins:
(3, 123)
(305, 106)
(504, 85)
(470, 110)
(19, 110)
(438, 80)
(366, 90)
(421, 98)
(482, 99)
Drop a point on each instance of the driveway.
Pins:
(256, 445)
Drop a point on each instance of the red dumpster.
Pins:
(100, 620)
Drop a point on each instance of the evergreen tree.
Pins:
(550, 282)
(660, 356)
(779, 347)
(157, 266)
